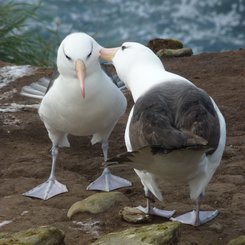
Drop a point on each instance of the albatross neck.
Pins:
(141, 80)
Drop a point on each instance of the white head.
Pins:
(130, 57)
(78, 53)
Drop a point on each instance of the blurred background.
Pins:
(204, 26)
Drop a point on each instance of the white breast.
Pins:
(64, 108)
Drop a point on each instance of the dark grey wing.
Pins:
(174, 116)
(198, 116)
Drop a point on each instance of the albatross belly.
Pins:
(64, 109)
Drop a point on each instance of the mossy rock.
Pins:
(159, 43)
(158, 234)
(97, 203)
(174, 52)
(238, 241)
(43, 235)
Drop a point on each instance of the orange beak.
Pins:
(81, 74)
(108, 54)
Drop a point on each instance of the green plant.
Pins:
(18, 44)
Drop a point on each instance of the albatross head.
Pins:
(78, 53)
(132, 61)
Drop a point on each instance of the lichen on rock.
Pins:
(237, 241)
(158, 234)
(43, 235)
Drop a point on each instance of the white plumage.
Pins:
(82, 101)
(174, 131)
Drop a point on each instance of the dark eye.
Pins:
(68, 57)
(89, 54)
(124, 47)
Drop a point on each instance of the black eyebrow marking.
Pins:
(68, 57)
(90, 51)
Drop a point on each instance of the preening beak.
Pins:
(108, 54)
(81, 74)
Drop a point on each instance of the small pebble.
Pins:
(134, 215)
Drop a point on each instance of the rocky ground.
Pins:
(25, 162)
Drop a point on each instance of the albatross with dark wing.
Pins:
(82, 101)
(175, 130)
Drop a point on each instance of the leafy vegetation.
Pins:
(18, 44)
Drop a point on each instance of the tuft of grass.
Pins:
(18, 44)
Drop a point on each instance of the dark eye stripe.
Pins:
(124, 47)
(90, 51)
(89, 54)
(69, 58)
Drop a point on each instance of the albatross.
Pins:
(175, 130)
(82, 101)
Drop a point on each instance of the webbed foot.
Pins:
(192, 218)
(46, 190)
(108, 182)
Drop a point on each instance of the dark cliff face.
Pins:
(25, 161)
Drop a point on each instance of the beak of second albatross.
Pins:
(108, 54)
(81, 74)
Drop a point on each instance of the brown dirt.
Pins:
(25, 162)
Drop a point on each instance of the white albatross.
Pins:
(175, 130)
(82, 101)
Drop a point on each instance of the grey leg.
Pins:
(152, 210)
(51, 187)
(108, 181)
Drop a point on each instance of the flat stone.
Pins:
(134, 215)
(174, 52)
(158, 234)
(237, 241)
(42, 235)
(97, 203)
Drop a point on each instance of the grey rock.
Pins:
(158, 234)
(97, 203)
(134, 215)
(43, 235)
